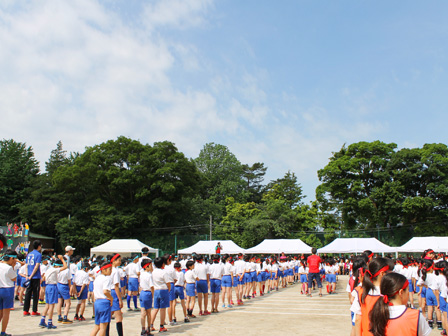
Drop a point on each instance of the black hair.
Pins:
(189, 263)
(85, 265)
(374, 266)
(145, 250)
(425, 252)
(167, 257)
(426, 263)
(198, 257)
(176, 264)
(367, 253)
(313, 250)
(9, 252)
(379, 316)
(159, 262)
(359, 264)
(36, 244)
(246, 258)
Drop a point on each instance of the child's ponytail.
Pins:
(376, 267)
(427, 264)
(379, 316)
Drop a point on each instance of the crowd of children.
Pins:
(107, 282)
(381, 290)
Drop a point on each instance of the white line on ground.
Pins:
(282, 313)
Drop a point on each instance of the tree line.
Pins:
(125, 189)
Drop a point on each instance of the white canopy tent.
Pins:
(356, 245)
(123, 246)
(208, 247)
(419, 244)
(277, 246)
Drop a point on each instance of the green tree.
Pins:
(46, 205)
(122, 188)
(356, 183)
(222, 177)
(254, 176)
(18, 168)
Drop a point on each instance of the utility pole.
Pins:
(211, 225)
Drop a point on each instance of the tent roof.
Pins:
(419, 244)
(122, 246)
(276, 246)
(356, 245)
(208, 247)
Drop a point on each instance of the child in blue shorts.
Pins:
(146, 295)
(102, 287)
(51, 292)
(190, 287)
(81, 282)
(7, 278)
(179, 291)
(161, 293)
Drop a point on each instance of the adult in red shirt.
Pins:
(313, 271)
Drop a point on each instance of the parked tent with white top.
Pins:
(356, 245)
(419, 244)
(209, 247)
(277, 246)
(123, 246)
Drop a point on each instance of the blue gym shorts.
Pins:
(431, 299)
(43, 284)
(172, 294)
(103, 311)
(215, 285)
(51, 294)
(202, 286)
(115, 302)
(226, 281)
(133, 285)
(91, 287)
(303, 278)
(191, 289)
(161, 299)
(179, 292)
(146, 299)
(84, 293)
(64, 291)
(7, 298)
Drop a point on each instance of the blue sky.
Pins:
(285, 83)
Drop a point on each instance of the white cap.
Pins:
(69, 248)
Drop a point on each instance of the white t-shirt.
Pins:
(216, 271)
(73, 269)
(100, 284)
(81, 278)
(64, 277)
(431, 281)
(51, 275)
(303, 270)
(423, 327)
(139, 263)
(201, 271)
(115, 277)
(132, 270)
(23, 270)
(227, 268)
(183, 264)
(160, 279)
(190, 276)
(180, 277)
(7, 276)
(146, 282)
(43, 268)
(239, 266)
(170, 272)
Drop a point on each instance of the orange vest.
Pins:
(404, 325)
(366, 308)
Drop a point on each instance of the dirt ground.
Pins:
(285, 312)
